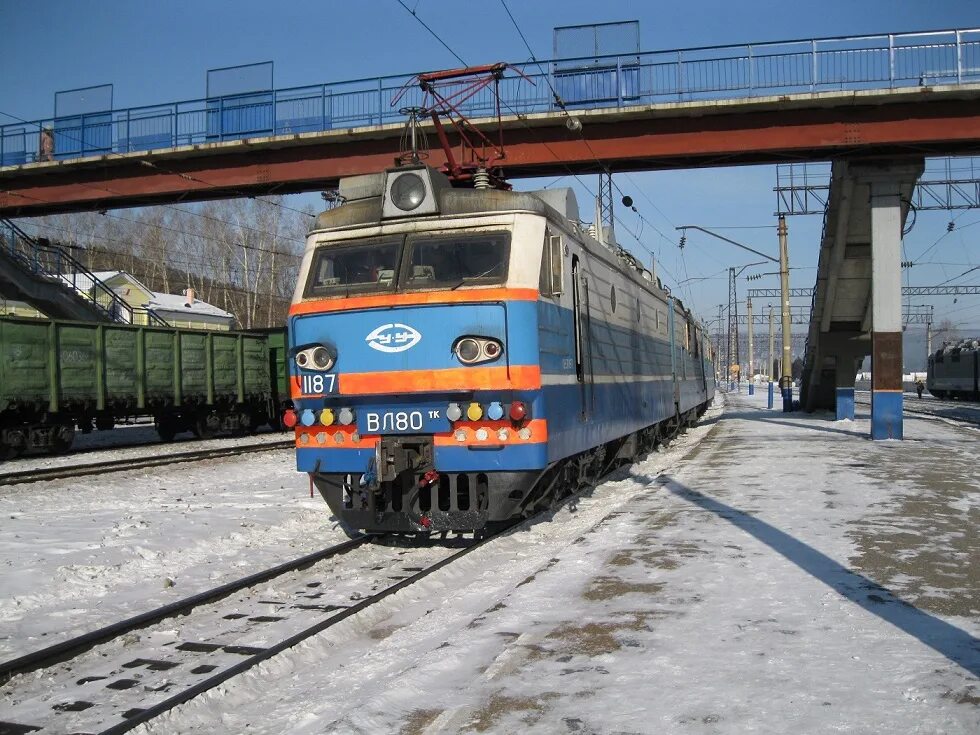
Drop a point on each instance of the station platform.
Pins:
(787, 574)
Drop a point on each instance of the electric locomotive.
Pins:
(954, 371)
(459, 356)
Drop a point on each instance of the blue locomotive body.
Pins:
(458, 359)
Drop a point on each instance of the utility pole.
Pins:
(786, 376)
(751, 373)
(721, 308)
(732, 302)
(732, 332)
(772, 339)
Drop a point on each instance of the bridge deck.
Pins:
(909, 121)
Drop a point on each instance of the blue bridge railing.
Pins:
(751, 70)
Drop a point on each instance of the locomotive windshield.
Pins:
(455, 261)
(428, 262)
(362, 267)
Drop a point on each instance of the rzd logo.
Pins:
(393, 338)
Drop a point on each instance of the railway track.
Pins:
(122, 465)
(50, 655)
(961, 412)
(106, 690)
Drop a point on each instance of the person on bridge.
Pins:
(45, 150)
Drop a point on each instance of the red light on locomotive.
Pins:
(518, 411)
(289, 418)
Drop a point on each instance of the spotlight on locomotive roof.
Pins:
(412, 191)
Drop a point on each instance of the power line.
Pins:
(434, 34)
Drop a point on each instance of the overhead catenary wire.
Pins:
(560, 103)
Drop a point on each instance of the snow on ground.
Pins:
(128, 442)
(80, 553)
(785, 575)
(768, 573)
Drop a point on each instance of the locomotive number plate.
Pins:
(315, 384)
(418, 419)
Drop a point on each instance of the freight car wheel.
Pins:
(105, 422)
(166, 429)
(206, 426)
(62, 436)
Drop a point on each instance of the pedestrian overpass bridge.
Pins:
(814, 99)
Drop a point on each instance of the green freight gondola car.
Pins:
(56, 376)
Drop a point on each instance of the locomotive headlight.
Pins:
(468, 350)
(317, 357)
(321, 358)
(473, 350)
(408, 192)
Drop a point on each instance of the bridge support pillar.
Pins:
(886, 308)
(845, 403)
(844, 381)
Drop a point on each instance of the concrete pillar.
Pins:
(886, 309)
(845, 388)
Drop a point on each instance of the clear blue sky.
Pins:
(159, 52)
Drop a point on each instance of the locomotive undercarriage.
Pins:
(404, 494)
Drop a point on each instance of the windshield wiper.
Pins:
(474, 278)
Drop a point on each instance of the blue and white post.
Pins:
(886, 308)
(845, 403)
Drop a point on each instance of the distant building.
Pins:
(187, 311)
(178, 310)
(11, 307)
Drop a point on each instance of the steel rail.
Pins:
(944, 404)
(168, 704)
(121, 465)
(44, 657)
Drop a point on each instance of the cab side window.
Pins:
(550, 281)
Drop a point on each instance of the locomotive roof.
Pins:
(367, 211)
(364, 205)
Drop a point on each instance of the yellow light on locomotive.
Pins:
(474, 412)
(326, 417)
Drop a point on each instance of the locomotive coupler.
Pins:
(397, 454)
